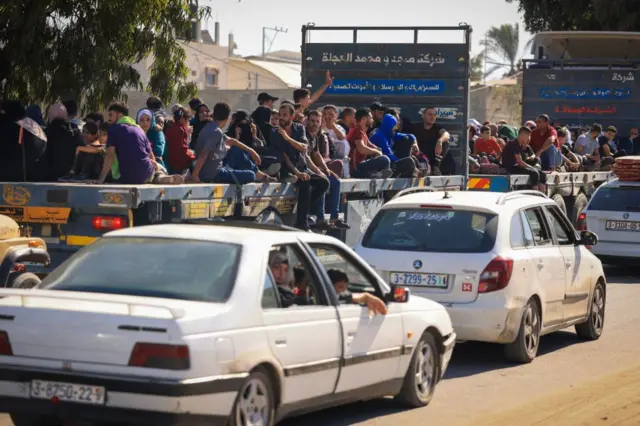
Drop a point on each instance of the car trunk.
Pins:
(82, 327)
(614, 214)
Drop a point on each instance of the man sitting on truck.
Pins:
(606, 147)
(513, 162)
(586, 147)
(367, 160)
(542, 137)
(433, 140)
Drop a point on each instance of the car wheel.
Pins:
(26, 280)
(27, 419)
(557, 198)
(422, 374)
(592, 328)
(525, 348)
(254, 404)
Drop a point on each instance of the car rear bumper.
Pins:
(617, 252)
(494, 324)
(128, 400)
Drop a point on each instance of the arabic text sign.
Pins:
(584, 93)
(387, 87)
(570, 76)
(59, 215)
(585, 110)
(445, 113)
(386, 56)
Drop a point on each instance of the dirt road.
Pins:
(570, 383)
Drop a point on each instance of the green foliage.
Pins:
(477, 67)
(579, 15)
(85, 49)
(503, 43)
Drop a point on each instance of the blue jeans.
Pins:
(373, 165)
(334, 200)
(238, 164)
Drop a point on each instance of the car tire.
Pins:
(557, 198)
(26, 280)
(255, 399)
(524, 349)
(422, 375)
(28, 419)
(593, 327)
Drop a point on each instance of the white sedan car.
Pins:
(215, 325)
(508, 267)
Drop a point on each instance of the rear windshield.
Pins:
(151, 267)
(432, 230)
(616, 199)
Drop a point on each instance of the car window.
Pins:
(151, 267)
(526, 228)
(431, 230)
(536, 220)
(296, 283)
(560, 226)
(269, 293)
(517, 233)
(334, 259)
(617, 199)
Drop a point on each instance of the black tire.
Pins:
(593, 327)
(575, 206)
(255, 386)
(557, 198)
(524, 349)
(27, 419)
(26, 280)
(425, 361)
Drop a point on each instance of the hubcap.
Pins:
(531, 330)
(597, 310)
(425, 370)
(253, 404)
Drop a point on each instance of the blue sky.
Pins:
(246, 19)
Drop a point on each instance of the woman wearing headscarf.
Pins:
(180, 158)
(262, 119)
(62, 140)
(147, 122)
(34, 112)
(13, 155)
(243, 129)
(203, 116)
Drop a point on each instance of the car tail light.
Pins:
(19, 268)
(108, 223)
(581, 223)
(496, 275)
(164, 357)
(5, 344)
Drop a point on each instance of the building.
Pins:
(274, 71)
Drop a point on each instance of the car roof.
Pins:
(238, 234)
(618, 183)
(474, 200)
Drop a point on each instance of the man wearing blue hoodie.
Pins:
(384, 138)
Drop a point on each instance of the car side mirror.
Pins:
(588, 238)
(398, 294)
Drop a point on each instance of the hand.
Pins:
(303, 176)
(255, 157)
(238, 132)
(375, 305)
(298, 117)
(254, 130)
(193, 179)
(282, 132)
(328, 78)
(378, 153)
(438, 150)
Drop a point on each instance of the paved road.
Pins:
(479, 383)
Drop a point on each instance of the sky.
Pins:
(247, 17)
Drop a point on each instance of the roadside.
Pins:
(613, 400)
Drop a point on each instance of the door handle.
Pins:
(568, 264)
(540, 265)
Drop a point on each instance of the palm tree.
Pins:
(502, 44)
(476, 67)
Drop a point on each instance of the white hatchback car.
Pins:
(613, 213)
(171, 323)
(508, 267)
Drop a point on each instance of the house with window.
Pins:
(276, 70)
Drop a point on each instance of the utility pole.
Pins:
(265, 37)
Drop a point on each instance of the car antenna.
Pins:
(446, 190)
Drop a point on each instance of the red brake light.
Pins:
(581, 224)
(435, 206)
(496, 275)
(5, 344)
(165, 357)
(19, 267)
(108, 223)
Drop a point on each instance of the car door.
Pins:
(549, 263)
(577, 269)
(373, 345)
(306, 339)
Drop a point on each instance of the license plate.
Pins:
(68, 392)
(622, 225)
(421, 280)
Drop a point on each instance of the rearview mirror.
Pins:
(398, 294)
(588, 238)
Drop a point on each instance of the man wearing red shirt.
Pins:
(543, 136)
(366, 159)
(180, 157)
(486, 143)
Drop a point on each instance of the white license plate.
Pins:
(421, 280)
(67, 392)
(622, 225)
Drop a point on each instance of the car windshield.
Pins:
(432, 230)
(151, 267)
(620, 199)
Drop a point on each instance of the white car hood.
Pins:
(419, 303)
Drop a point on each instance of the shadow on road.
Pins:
(622, 274)
(468, 359)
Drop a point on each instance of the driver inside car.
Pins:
(279, 266)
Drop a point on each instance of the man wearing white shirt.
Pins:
(336, 134)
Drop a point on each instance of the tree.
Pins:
(85, 49)
(502, 42)
(579, 15)
(476, 67)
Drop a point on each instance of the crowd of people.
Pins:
(291, 142)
